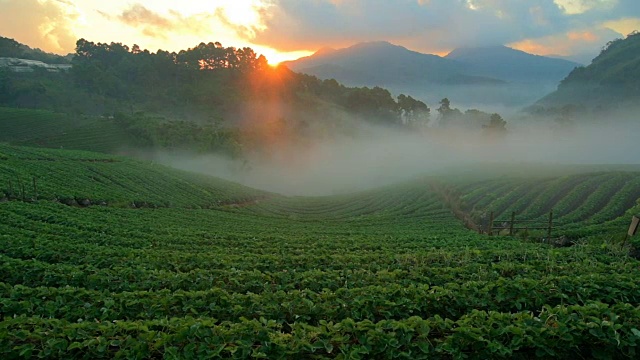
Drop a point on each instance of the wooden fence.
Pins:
(514, 224)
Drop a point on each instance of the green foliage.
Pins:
(54, 130)
(113, 134)
(203, 268)
(82, 178)
(414, 112)
(491, 124)
(583, 204)
(610, 79)
(206, 81)
(496, 126)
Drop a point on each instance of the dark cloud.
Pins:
(47, 25)
(431, 25)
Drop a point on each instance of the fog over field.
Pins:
(374, 155)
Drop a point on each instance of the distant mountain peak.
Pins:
(377, 45)
(324, 50)
(381, 63)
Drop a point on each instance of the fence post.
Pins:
(513, 220)
(491, 225)
(550, 224)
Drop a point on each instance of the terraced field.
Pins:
(53, 130)
(386, 273)
(579, 200)
(76, 177)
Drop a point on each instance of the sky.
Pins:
(288, 29)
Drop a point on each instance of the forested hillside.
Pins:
(205, 82)
(612, 78)
(208, 97)
(10, 48)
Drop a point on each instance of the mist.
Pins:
(373, 156)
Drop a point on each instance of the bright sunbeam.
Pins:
(243, 12)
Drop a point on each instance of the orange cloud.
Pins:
(624, 26)
(158, 25)
(582, 36)
(45, 24)
(569, 43)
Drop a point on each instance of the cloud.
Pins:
(428, 25)
(584, 43)
(156, 25)
(45, 24)
(623, 26)
(573, 7)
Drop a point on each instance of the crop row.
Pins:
(406, 271)
(593, 330)
(587, 197)
(72, 176)
(47, 129)
(381, 302)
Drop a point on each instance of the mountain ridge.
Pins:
(369, 58)
(611, 78)
(512, 64)
(473, 75)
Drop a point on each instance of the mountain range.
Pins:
(495, 75)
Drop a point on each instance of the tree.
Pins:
(496, 126)
(376, 104)
(446, 113)
(445, 107)
(413, 112)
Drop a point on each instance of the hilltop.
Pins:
(9, 48)
(611, 79)
(384, 64)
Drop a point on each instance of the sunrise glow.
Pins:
(283, 30)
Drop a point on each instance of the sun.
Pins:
(275, 57)
(243, 12)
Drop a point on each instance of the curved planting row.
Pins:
(388, 203)
(82, 178)
(53, 130)
(588, 197)
(599, 197)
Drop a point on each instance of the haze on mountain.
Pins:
(480, 76)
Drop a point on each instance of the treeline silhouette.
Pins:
(205, 81)
(196, 98)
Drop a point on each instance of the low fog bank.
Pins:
(376, 156)
(505, 98)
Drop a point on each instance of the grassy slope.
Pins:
(76, 176)
(583, 203)
(53, 130)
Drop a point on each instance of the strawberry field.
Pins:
(588, 200)
(211, 269)
(49, 129)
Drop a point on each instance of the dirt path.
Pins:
(450, 198)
